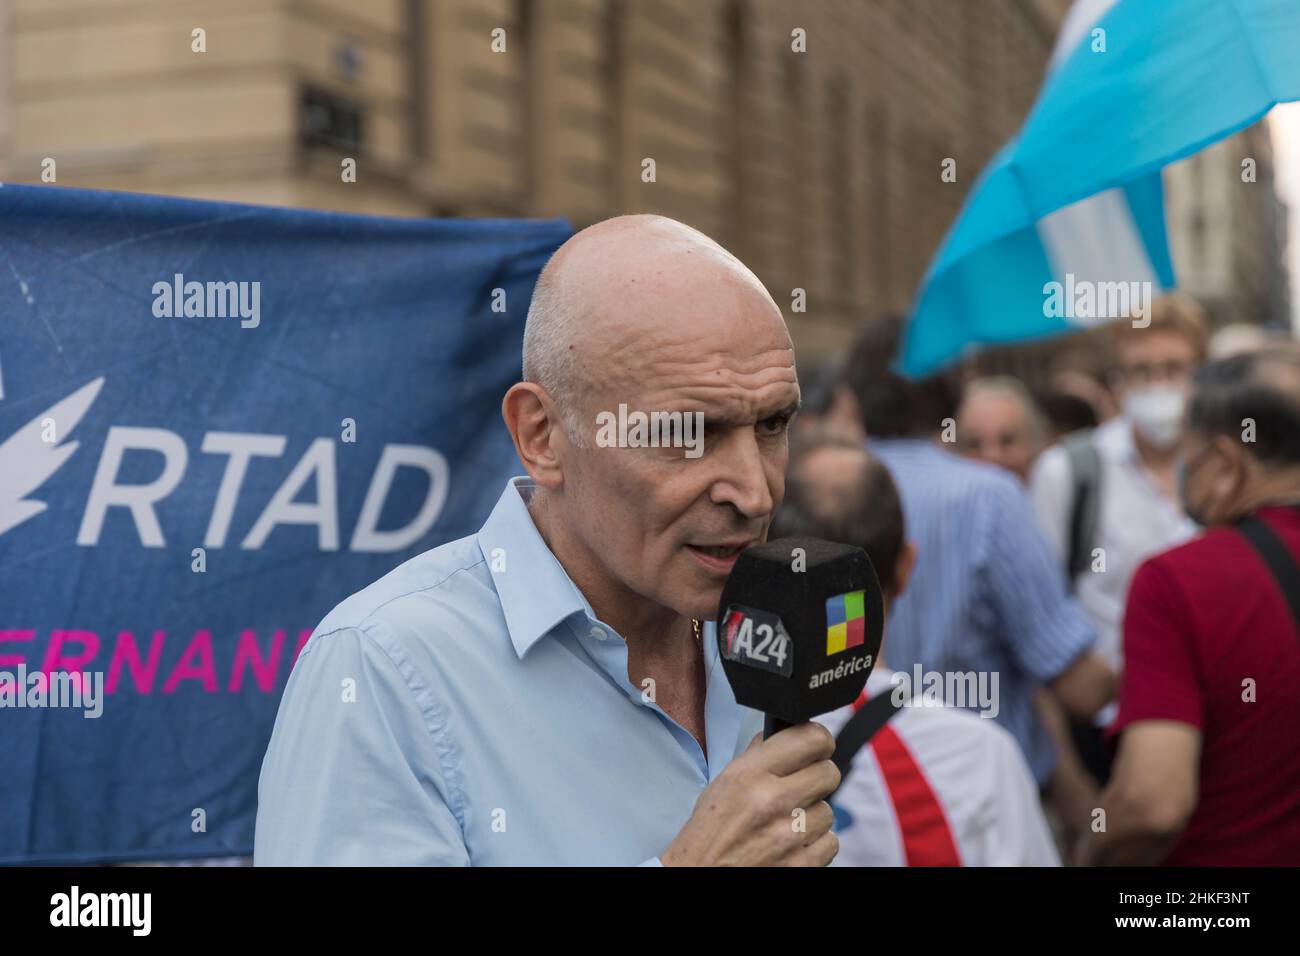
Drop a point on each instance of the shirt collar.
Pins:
(535, 591)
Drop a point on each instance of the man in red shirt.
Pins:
(1208, 730)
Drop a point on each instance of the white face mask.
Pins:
(1156, 411)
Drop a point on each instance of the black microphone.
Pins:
(799, 628)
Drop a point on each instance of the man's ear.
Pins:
(903, 570)
(534, 425)
(1240, 468)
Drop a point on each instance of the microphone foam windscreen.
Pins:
(799, 626)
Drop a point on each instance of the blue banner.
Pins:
(216, 422)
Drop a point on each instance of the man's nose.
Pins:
(743, 483)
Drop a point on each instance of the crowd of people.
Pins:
(1121, 557)
(1092, 640)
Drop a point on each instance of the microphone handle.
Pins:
(773, 724)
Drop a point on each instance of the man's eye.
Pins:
(776, 423)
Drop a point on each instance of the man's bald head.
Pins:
(1242, 450)
(625, 277)
(837, 490)
(641, 319)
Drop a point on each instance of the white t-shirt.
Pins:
(1135, 520)
(938, 786)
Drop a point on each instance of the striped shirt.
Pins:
(986, 595)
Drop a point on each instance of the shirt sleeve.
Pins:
(1051, 489)
(352, 774)
(1160, 675)
(1044, 628)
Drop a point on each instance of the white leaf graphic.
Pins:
(27, 462)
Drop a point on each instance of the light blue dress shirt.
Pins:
(469, 709)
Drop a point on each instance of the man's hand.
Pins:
(767, 807)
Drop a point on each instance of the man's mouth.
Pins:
(718, 557)
(721, 551)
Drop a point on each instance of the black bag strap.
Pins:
(859, 730)
(1085, 475)
(1279, 559)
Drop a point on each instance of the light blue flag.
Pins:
(1076, 198)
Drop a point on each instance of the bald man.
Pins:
(999, 422)
(548, 691)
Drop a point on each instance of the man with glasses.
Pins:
(1108, 499)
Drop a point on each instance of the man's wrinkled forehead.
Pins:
(702, 324)
(727, 371)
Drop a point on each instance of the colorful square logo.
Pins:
(846, 622)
